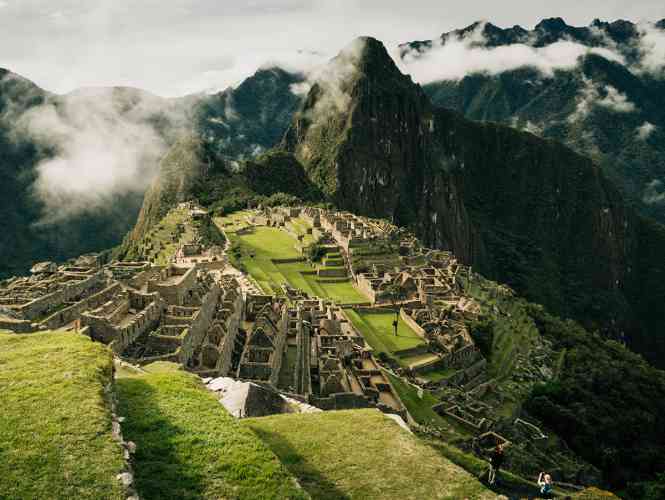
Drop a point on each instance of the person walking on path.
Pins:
(496, 461)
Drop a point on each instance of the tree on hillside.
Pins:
(395, 293)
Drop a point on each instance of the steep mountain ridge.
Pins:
(524, 210)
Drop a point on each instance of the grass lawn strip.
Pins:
(362, 454)
(378, 330)
(189, 447)
(55, 439)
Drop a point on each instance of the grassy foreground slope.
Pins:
(189, 447)
(362, 454)
(55, 424)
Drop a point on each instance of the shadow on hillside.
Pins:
(311, 479)
(159, 471)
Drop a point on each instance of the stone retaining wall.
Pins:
(73, 312)
(69, 291)
(412, 323)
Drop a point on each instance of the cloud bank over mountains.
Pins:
(94, 144)
(456, 57)
(460, 54)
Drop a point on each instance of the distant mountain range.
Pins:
(609, 105)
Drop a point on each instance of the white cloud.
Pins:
(99, 148)
(645, 130)
(654, 194)
(592, 95)
(652, 48)
(332, 78)
(458, 57)
(616, 101)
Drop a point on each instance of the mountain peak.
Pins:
(373, 59)
(552, 24)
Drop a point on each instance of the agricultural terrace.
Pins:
(514, 333)
(188, 446)
(256, 250)
(362, 454)
(56, 440)
(160, 244)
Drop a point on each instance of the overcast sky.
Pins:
(174, 47)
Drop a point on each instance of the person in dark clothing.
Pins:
(496, 461)
(545, 483)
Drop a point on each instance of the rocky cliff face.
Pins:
(524, 210)
(378, 155)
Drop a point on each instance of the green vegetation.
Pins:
(255, 250)
(508, 328)
(189, 447)
(55, 439)
(608, 404)
(378, 330)
(419, 406)
(362, 454)
(302, 228)
(269, 243)
(482, 333)
(272, 179)
(157, 244)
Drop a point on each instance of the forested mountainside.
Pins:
(523, 210)
(43, 136)
(610, 105)
(96, 125)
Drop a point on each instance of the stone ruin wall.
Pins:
(174, 293)
(34, 309)
(106, 330)
(231, 326)
(74, 311)
(195, 334)
(279, 343)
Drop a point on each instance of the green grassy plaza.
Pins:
(259, 247)
(377, 328)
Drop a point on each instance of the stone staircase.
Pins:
(332, 264)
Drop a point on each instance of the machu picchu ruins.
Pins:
(245, 257)
(309, 308)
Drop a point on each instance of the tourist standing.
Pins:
(545, 483)
(496, 461)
